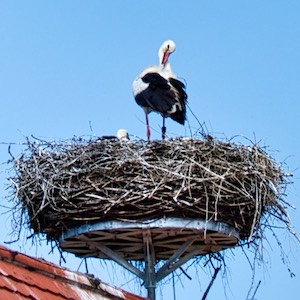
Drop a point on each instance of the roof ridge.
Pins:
(44, 267)
(62, 274)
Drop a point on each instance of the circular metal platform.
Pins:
(166, 236)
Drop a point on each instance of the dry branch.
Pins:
(63, 185)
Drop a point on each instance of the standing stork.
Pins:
(158, 89)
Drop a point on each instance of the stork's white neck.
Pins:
(160, 55)
(166, 67)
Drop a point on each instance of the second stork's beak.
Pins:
(165, 57)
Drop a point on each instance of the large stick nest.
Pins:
(62, 185)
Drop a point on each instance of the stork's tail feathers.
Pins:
(179, 117)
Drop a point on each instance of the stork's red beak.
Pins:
(165, 57)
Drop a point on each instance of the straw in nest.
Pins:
(63, 185)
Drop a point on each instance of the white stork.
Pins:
(158, 89)
(122, 135)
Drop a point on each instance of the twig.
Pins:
(255, 290)
(211, 283)
(63, 184)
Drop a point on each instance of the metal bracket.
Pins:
(170, 240)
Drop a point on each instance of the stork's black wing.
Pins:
(164, 96)
(158, 96)
(181, 99)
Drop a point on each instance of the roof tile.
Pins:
(24, 277)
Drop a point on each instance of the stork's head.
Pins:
(122, 135)
(165, 50)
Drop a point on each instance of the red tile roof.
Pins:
(25, 277)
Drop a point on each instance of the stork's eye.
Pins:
(168, 47)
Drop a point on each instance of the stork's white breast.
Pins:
(139, 86)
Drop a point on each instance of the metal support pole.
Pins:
(121, 261)
(168, 267)
(150, 240)
(149, 253)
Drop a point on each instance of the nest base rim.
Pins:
(167, 235)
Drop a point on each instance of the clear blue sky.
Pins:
(67, 64)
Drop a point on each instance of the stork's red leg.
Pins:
(148, 128)
(163, 129)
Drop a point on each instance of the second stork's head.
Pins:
(165, 50)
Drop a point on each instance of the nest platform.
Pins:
(60, 186)
(166, 236)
